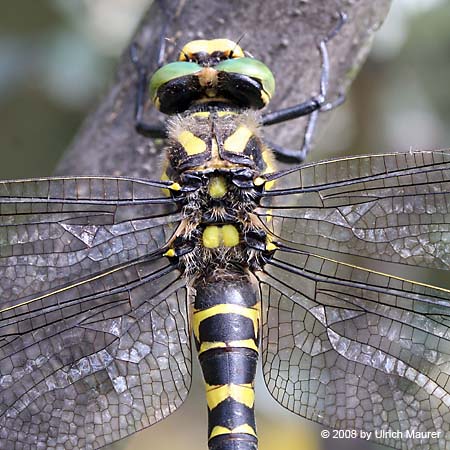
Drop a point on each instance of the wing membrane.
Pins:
(55, 231)
(392, 207)
(96, 361)
(94, 341)
(356, 349)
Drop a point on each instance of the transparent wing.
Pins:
(355, 349)
(391, 207)
(89, 364)
(94, 341)
(55, 231)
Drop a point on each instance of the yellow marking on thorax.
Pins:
(214, 150)
(220, 236)
(245, 428)
(191, 143)
(244, 343)
(175, 186)
(230, 236)
(165, 177)
(242, 393)
(217, 187)
(238, 140)
(268, 159)
(253, 313)
(258, 181)
(170, 253)
(226, 113)
(270, 246)
(211, 237)
(201, 114)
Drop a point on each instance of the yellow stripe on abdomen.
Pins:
(219, 430)
(252, 313)
(244, 343)
(242, 393)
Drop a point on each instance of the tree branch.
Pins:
(282, 33)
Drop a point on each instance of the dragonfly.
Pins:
(107, 284)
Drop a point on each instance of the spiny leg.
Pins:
(311, 107)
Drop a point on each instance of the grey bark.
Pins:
(282, 33)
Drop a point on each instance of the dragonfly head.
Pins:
(211, 71)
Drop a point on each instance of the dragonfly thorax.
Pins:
(218, 218)
(216, 139)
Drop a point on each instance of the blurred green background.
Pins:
(58, 56)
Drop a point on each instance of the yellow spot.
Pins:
(259, 181)
(191, 143)
(267, 156)
(253, 314)
(218, 430)
(224, 236)
(270, 246)
(170, 253)
(214, 149)
(201, 114)
(225, 113)
(230, 236)
(212, 237)
(238, 140)
(211, 345)
(244, 343)
(210, 46)
(175, 186)
(242, 393)
(217, 187)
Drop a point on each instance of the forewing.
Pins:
(55, 231)
(94, 341)
(391, 207)
(94, 362)
(355, 349)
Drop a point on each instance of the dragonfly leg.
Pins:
(151, 130)
(311, 107)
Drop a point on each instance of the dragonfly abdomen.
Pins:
(226, 322)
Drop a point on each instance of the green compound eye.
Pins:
(252, 68)
(170, 72)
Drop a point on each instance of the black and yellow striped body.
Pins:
(222, 152)
(226, 322)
